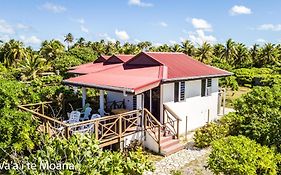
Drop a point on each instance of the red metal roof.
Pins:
(145, 70)
(91, 68)
(130, 78)
(118, 59)
(183, 66)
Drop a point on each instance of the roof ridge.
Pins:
(166, 52)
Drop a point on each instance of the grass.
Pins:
(152, 155)
(231, 95)
(197, 167)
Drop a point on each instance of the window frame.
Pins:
(206, 84)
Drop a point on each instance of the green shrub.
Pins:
(17, 132)
(257, 76)
(239, 155)
(83, 155)
(13, 93)
(229, 82)
(64, 62)
(262, 115)
(208, 133)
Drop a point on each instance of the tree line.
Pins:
(231, 55)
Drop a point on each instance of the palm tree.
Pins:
(13, 52)
(204, 53)
(229, 50)
(255, 54)
(241, 56)
(31, 66)
(176, 48)
(80, 42)
(188, 48)
(50, 50)
(218, 50)
(69, 39)
(144, 46)
(269, 54)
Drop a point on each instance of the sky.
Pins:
(157, 21)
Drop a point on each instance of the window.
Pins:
(182, 91)
(176, 92)
(179, 91)
(206, 87)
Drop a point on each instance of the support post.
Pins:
(102, 102)
(84, 94)
(208, 116)
(219, 101)
(150, 100)
(97, 130)
(120, 132)
(186, 122)
(224, 96)
(178, 128)
(67, 132)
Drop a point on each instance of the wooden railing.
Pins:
(116, 105)
(153, 127)
(171, 122)
(107, 130)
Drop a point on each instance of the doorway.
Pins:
(152, 101)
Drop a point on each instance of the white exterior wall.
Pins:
(194, 106)
(117, 96)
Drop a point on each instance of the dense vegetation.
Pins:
(28, 76)
(240, 155)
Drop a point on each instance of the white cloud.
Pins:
(122, 34)
(163, 24)
(272, 27)
(201, 24)
(137, 40)
(260, 40)
(53, 7)
(139, 3)
(5, 27)
(239, 10)
(199, 37)
(4, 38)
(84, 29)
(81, 21)
(33, 40)
(172, 42)
(22, 26)
(107, 37)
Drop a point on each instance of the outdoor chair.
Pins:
(74, 117)
(86, 113)
(102, 111)
(95, 116)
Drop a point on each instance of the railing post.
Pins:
(47, 127)
(178, 128)
(43, 112)
(145, 125)
(97, 129)
(120, 130)
(67, 132)
(159, 139)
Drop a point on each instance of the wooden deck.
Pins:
(107, 130)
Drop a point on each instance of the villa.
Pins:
(160, 95)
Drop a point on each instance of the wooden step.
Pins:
(172, 149)
(169, 143)
(165, 139)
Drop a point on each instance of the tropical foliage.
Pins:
(241, 156)
(81, 154)
(28, 76)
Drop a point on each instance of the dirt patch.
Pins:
(196, 167)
